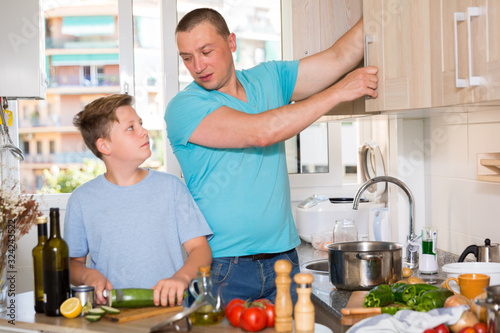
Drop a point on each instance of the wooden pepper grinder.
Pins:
(283, 307)
(304, 309)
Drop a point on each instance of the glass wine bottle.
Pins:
(56, 287)
(37, 254)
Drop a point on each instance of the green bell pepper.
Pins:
(392, 309)
(403, 291)
(432, 299)
(420, 289)
(379, 296)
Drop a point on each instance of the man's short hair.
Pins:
(95, 120)
(200, 15)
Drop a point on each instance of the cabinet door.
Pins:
(454, 53)
(397, 41)
(316, 25)
(492, 71)
(22, 55)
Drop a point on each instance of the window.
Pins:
(85, 60)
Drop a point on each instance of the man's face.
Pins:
(207, 55)
(128, 140)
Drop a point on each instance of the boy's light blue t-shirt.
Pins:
(133, 233)
(243, 193)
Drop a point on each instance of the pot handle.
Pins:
(369, 256)
(469, 249)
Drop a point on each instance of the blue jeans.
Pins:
(250, 279)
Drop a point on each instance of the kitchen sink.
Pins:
(316, 266)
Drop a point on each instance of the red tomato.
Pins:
(269, 309)
(467, 330)
(253, 319)
(441, 329)
(234, 310)
(481, 328)
(234, 301)
(430, 330)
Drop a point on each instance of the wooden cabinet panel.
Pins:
(453, 53)
(316, 25)
(492, 72)
(398, 43)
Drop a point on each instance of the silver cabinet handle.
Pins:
(459, 83)
(368, 40)
(471, 12)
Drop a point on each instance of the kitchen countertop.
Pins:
(327, 299)
(26, 320)
(330, 301)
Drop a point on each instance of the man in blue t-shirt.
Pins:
(228, 128)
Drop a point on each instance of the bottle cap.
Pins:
(41, 220)
(204, 270)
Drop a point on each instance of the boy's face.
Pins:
(207, 55)
(128, 140)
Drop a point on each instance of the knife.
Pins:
(172, 323)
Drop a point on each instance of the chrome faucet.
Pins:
(411, 252)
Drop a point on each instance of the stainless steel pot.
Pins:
(364, 265)
(492, 305)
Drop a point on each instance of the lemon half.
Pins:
(71, 308)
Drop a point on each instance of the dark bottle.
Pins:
(56, 286)
(37, 254)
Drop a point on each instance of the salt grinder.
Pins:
(283, 307)
(304, 308)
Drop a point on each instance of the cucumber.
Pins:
(96, 311)
(131, 298)
(93, 318)
(110, 310)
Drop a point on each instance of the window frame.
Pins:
(170, 87)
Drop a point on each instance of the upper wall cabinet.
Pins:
(433, 53)
(467, 59)
(397, 42)
(316, 25)
(22, 55)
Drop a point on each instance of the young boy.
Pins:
(132, 221)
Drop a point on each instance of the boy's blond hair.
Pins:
(95, 120)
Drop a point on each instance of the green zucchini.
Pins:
(93, 318)
(110, 310)
(96, 311)
(131, 298)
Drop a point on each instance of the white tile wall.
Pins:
(464, 210)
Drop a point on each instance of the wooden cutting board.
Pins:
(140, 313)
(355, 301)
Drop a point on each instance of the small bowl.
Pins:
(489, 268)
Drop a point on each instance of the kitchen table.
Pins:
(27, 320)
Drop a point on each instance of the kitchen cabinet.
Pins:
(468, 58)
(316, 25)
(433, 53)
(398, 42)
(22, 59)
(490, 73)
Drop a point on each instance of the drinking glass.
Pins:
(345, 231)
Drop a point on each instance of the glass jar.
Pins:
(345, 231)
(212, 312)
